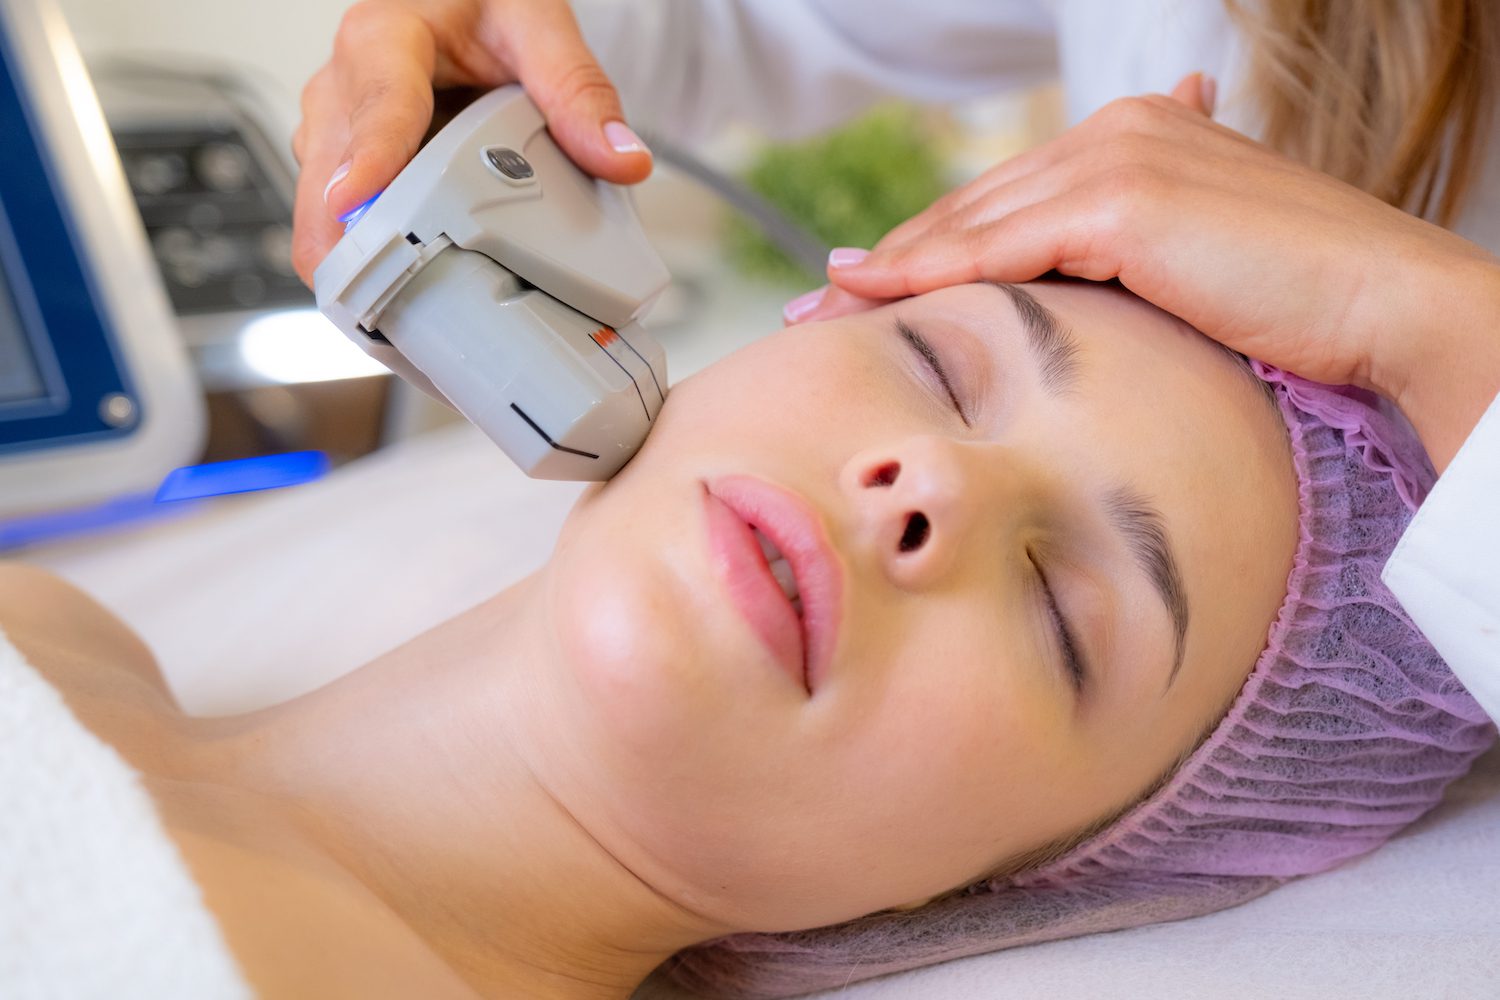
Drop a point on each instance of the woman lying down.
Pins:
(989, 617)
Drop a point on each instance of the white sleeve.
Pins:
(1446, 569)
(791, 67)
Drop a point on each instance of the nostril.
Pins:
(885, 475)
(916, 532)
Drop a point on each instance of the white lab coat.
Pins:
(1446, 569)
(792, 67)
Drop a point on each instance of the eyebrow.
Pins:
(1144, 529)
(1138, 520)
(1055, 348)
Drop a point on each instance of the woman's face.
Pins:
(1023, 595)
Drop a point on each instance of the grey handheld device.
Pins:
(499, 278)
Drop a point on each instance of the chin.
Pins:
(623, 628)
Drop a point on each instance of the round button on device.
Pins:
(510, 164)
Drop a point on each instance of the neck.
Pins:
(406, 773)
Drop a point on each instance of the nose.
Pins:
(916, 504)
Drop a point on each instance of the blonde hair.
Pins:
(1392, 96)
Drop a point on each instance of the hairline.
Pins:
(1037, 857)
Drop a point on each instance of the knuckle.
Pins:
(359, 16)
(992, 206)
(1123, 151)
(385, 24)
(978, 241)
(374, 97)
(948, 202)
(319, 94)
(584, 83)
(387, 109)
(908, 262)
(1121, 195)
(1130, 114)
(939, 227)
(899, 258)
(1130, 183)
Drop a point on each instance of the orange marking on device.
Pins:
(604, 336)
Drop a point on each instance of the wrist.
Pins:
(1443, 370)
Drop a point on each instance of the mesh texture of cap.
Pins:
(1347, 729)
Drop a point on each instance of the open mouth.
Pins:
(773, 556)
(780, 569)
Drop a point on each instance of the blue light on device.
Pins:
(191, 483)
(356, 213)
(36, 529)
(242, 475)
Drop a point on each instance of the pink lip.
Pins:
(804, 647)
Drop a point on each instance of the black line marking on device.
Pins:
(545, 437)
(661, 395)
(633, 385)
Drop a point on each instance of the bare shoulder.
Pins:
(68, 636)
(297, 924)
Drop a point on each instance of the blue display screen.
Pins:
(20, 378)
(58, 356)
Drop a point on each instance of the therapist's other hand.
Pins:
(1272, 258)
(1194, 90)
(1197, 91)
(365, 112)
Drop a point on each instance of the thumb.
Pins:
(1198, 91)
(578, 100)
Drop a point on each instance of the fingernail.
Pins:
(799, 307)
(338, 175)
(846, 256)
(622, 140)
(1210, 92)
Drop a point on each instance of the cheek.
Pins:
(950, 758)
(767, 395)
(628, 668)
(659, 692)
(636, 730)
(964, 738)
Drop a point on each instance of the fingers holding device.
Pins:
(366, 111)
(498, 277)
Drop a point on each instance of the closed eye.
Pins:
(1066, 637)
(929, 357)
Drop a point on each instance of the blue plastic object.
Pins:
(176, 495)
(242, 475)
(57, 525)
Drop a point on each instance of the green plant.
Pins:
(848, 187)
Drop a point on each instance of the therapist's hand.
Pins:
(364, 113)
(1272, 258)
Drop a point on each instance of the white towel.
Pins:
(94, 899)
